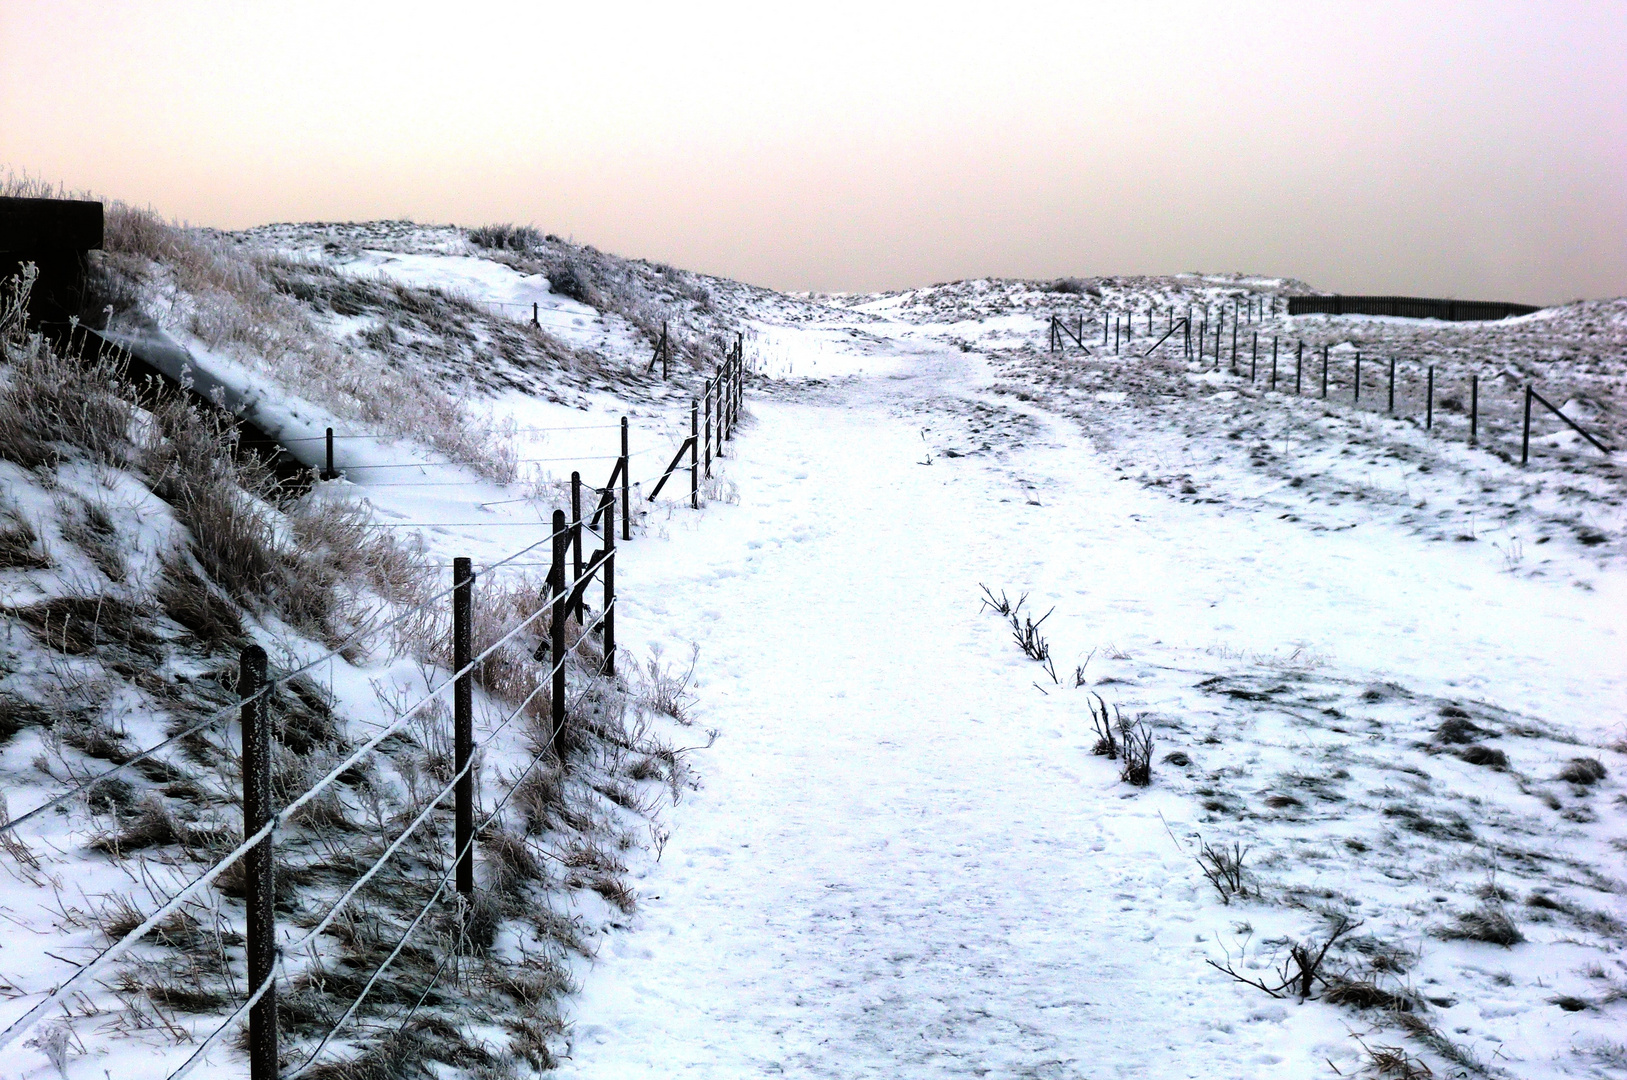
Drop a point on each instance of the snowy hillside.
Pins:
(877, 827)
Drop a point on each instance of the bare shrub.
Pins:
(1300, 971)
(1002, 604)
(1137, 741)
(1224, 870)
(1107, 744)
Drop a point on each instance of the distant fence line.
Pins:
(1407, 307)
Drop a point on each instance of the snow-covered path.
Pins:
(903, 860)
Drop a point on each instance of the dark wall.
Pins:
(55, 235)
(1407, 307)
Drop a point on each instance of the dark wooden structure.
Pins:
(1407, 307)
(55, 235)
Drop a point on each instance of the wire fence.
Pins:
(569, 576)
(1396, 383)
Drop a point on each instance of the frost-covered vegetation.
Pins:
(142, 549)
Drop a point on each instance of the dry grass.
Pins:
(662, 689)
(236, 301)
(1489, 923)
(52, 401)
(188, 598)
(1583, 771)
(20, 547)
(88, 526)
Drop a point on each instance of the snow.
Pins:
(903, 858)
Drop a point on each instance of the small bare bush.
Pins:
(1107, 743)
(1136, 738)
(1224, 870)
(1300, 971)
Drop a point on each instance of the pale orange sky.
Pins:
(1472, 149)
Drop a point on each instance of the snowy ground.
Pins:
(902, 857)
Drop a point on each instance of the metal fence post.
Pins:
(1299, 363)
(556, 651)
(608, 573)
(328, 472)
(1474, 409)
(1429, 401)
(1273, 363)
(1525, 439)
(694, 454)
(1358, 376)
(258, 869)
(626, 483)
(1324, 372)
(463, 719)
